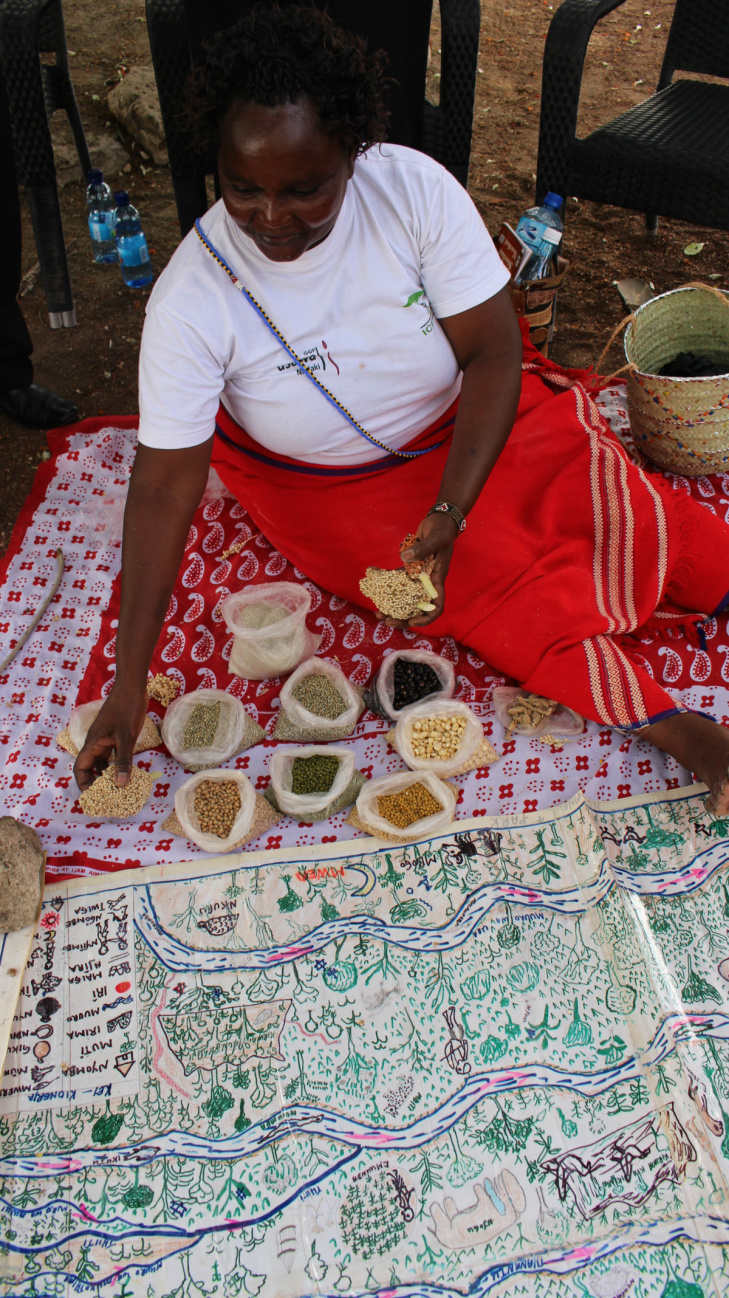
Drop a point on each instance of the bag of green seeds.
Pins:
(206, 728)
(313, 782)
(318, 703)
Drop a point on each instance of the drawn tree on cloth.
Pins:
(371, 1216)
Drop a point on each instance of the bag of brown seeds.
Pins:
(318, 703)
(313, 783)
(216, 809)
(205, 728)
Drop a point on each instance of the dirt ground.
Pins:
(95, 364)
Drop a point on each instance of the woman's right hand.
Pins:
(114, 730)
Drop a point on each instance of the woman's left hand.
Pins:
(436, 537)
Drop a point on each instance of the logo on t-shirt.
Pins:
(419, 299)
(313, 359)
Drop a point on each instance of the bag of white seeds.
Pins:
(73, 737)
(318, 703)
(413, 804)
(208, 727)
(313, 782)
(215, 809)
(269, 627)
(442, 736)
(407, 677)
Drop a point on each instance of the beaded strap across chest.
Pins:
(404, 455)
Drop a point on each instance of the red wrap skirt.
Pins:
(569, 551)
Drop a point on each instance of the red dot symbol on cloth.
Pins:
(122, 987)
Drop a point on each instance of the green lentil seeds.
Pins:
(411, 804)
(320, 697)
(314, 774)
(202, 727)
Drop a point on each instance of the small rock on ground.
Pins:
(21, 874)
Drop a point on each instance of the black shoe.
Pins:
(35, 407)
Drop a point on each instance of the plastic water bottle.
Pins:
(131, 243)
(540, 228)
(100, 206)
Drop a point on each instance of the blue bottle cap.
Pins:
(95, 176)
(553, 200)
(121, 198)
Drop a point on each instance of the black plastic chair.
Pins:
(35, 90)
(178, 28)
(669, 156)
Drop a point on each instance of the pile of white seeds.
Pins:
(437, 738)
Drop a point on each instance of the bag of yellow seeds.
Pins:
(215, 809)
(73, 737)
(313, 782)
(206, 728)
(318, 703)
(445, 737)
(410, 805)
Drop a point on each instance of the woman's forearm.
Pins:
(486, 412)
(164, 492)
(487, 344)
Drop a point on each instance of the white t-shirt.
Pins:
(361, 310)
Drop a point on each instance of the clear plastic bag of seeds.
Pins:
(304, 805)
(370, 814)
(188, 810)
(73, 736)
(416, 741)
(206, 728)
(385, 690)
(318, 683)
(269, 628)
(562, 722)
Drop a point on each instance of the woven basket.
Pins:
(537, 300)
(680, 424)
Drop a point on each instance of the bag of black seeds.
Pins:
(208, 727)
(318, 703)
(215, 809)
(412, 804)
(409, 676)
(313, 783)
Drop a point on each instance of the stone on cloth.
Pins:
(22, 867)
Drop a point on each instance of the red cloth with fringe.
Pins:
(569, 551)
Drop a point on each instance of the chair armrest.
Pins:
(564, 58)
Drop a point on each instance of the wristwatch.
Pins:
(445, 507)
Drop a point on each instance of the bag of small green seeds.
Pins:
(318, 703)
(409, 676)
(313, 782)
(206, 728)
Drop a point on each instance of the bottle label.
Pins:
(535, 232)
(100, 227)
(136, 255)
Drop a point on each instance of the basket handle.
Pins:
(627, 320)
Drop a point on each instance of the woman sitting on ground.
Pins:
(551, 549)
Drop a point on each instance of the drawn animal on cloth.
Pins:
(498, 1206)
(626, 1166)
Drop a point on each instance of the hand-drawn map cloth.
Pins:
(494, 1063)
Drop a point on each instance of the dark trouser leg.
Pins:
(16, 369)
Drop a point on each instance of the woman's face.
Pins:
(282, 177)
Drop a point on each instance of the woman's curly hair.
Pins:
(280, 55)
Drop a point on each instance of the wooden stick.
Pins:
(44, 605)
